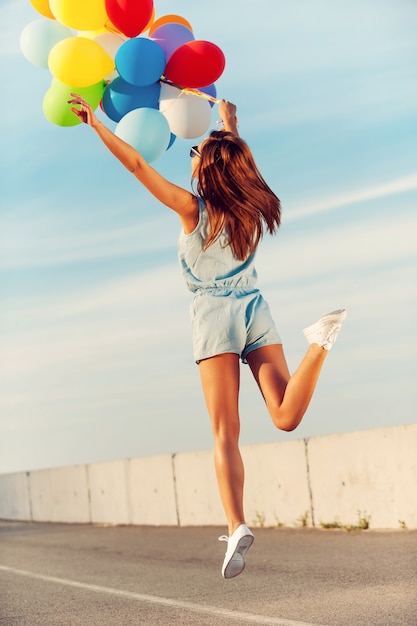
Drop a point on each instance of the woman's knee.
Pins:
(226, 431)
(284, 419)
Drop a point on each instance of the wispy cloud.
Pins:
(357, 196)
(33, 244)
(48, 240)
(110, 318)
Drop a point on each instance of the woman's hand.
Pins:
(85, 113)
(227, 112)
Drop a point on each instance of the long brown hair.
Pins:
(237, 197)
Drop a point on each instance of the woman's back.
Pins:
(214, 266)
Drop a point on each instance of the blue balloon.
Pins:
(140, 61)
(171, 140)
(147, 130)
(121, 97)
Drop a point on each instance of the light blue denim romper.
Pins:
(228, 314)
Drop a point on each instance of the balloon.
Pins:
(196, 63)
(42, 6)
(171, 140)
(151, 19)
(169, 19)
(140, 61)
(121, 97)
(130, 16)
(80, 14)
(171, 36)
(39, 37)
(111, 42)
(79, 61)
(92, 34)
(55, 103)
(188, 116)
(147, 131)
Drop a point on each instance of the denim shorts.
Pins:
(231, 320)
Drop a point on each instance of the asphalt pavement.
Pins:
(83, 575)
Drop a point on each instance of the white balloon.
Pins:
(188, 116)
(111, 42)
(39, 37)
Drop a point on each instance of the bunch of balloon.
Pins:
(149, 75)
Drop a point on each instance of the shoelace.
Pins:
(223, 538)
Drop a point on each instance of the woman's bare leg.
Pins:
(220, 378)
(286, 397)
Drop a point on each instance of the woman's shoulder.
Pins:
(201, 225)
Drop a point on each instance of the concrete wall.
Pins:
(277, 487)
(371, 473)
(14, 496)
(152, 491)
(323, 480)
(59, 495)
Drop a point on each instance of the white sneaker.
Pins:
(325, 331)
(237, 546)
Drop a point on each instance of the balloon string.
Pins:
(171, 101)
(189, 90)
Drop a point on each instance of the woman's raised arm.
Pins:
(227, 111)
(176, 198)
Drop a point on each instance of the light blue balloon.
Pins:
(140, 61)
(147, 130)
(39, 37)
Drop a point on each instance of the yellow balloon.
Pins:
(42, 6)
(79, 61)
(80, 14)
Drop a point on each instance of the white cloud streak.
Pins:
(350, 198)
(37, 242)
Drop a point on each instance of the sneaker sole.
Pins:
(236, 566)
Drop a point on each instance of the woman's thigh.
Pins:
(270, 370)
(220, 379)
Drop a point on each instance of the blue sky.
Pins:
(95, 355)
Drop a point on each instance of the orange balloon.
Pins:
(169, 19)
(42, 7)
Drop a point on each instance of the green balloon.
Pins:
(55, 103)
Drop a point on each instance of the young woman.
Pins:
(221, 227)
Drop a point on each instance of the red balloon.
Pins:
(130, 16)
(195, 64)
